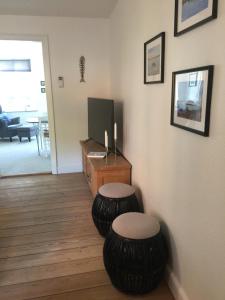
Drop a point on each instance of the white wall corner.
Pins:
(64, 169)
(175, 286)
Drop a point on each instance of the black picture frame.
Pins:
(42, 83)
(193, 116)
(159, 63)
(195, 23)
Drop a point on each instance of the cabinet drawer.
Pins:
(112, 176)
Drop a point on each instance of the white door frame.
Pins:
(47, 69)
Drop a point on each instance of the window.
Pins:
(15, 65)
(19, 91)
(21, 73)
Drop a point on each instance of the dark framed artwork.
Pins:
(191, 99)
(190, 14)
(42, 83)
(154, 56)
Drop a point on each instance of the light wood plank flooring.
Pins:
(49, 247)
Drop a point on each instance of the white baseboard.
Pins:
(175, 286)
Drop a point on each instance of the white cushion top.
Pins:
(116, 190)
(134, 225)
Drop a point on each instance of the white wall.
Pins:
(69, 38)
(181, 175)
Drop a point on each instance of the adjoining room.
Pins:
(24, 134)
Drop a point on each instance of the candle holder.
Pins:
(115, 141)
(106, 157)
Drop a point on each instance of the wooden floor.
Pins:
(49, 247)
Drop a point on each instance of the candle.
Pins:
(115, 131)
(106, 139)
(107, 143)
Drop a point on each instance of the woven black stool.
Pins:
(112, 200)
(135, 253)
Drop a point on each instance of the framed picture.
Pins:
(191, 99)
(42, 83)
(190, 14)
(43, 90)
(154, 55)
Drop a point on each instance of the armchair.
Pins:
(8, 128)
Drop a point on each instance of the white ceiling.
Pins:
(59, 8)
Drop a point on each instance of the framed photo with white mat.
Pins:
(191, 99)
(190, 14)
(154, 56)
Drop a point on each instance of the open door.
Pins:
(27, 136)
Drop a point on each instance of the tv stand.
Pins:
(100, 171)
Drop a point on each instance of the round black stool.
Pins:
(112, 200)
(135, 253)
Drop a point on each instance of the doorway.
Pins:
(27, 139)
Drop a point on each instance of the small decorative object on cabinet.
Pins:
(191, 99)
(135, 253)
(98, 172)
(112, 200)
(191, 14)
(82, 68)
(154, 56)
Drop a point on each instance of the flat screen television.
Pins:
(101, 118)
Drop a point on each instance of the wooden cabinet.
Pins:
(99, 171)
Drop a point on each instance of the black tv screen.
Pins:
(101, 118)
